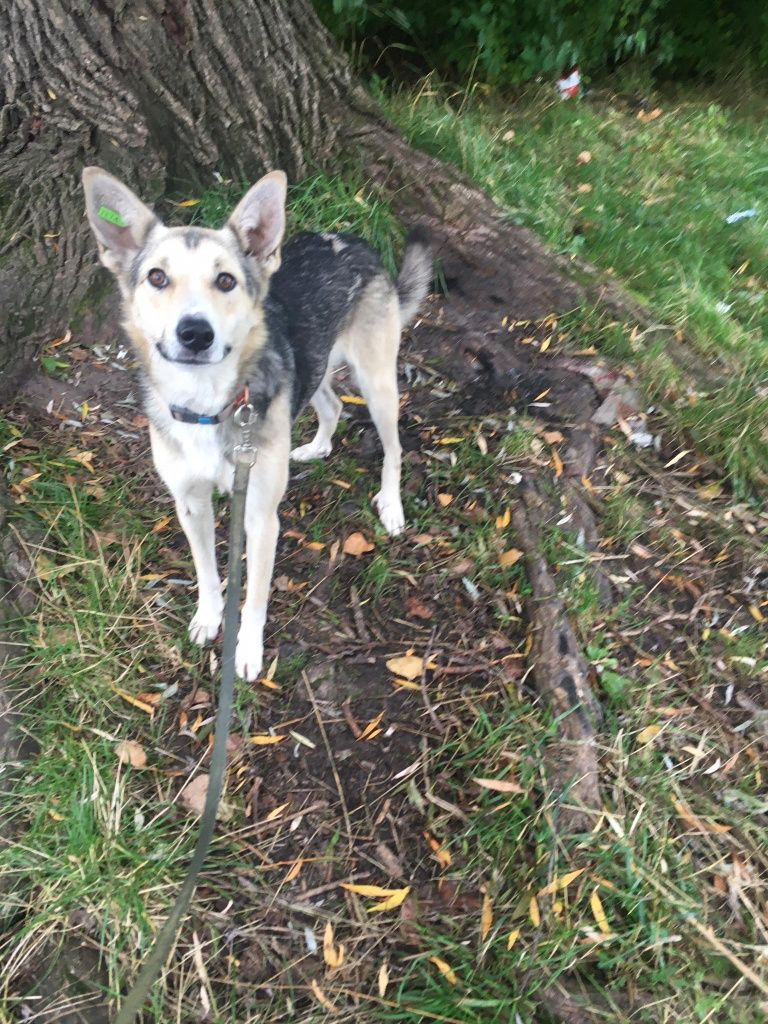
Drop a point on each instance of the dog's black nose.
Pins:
(194, 333)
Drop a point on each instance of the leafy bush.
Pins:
(507, 41)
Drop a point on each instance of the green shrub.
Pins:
(507, 41)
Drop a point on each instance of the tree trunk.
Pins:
(161, 92)
(164, 93)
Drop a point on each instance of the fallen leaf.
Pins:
(369, 730)
(584, 188)
(266, 740)
(294, 872)
(650, 115)
(357, 544)
(193, 797)
(409, 666)
(553, 436)
(333, 956)
(352, 399)
(756, 614)
(502, 522)
(557, 462)
(499, 785)
(509, 558)
(188, 202)
(303, 740)
(486, 918)
(367, 890)
(132, 753)
(512, 938)
(534, 912)
(444, 500)
(648, 734)
(562, 882)
(406, 685)
(508, 136)
(130, 699)
(276, 812)
(416, 610)
(584, 157)
(696, 823)
(442, 855)
(162, 524)
(598, 913)
(450, 440)
(391, 902)
(383, 980)
(322, 998)
(445, 969)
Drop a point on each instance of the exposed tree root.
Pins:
(560, 677)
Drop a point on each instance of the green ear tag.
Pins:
(113, 217)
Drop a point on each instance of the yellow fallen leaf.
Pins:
(756, 614)
(332, 955)
(552, 436)
(450, 440)
(545, 344)
(397, 897)
(369, 730)
(534, 912)
(509, 558)
(499, 785)
(648, 734)
(162, 524)
(276, 812)
(502, 522)
(512, 938)
(598, 913)
(132, 753)
(383, 980)
(130, 699)
(352, 399)
(188, 202)
(357, 544)
(696, 823)
(444, 500)
(266, 740)
(322, 998)
(367, 890)
(442, 855)
(55, 815)
(445, 969)
(557, 462)
(562, 882)
(406, 685)
(409, 666)
(294, 872)
(486, 918)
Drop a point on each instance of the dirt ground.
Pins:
(363, 766)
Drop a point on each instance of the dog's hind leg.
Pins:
(328, 409)
(371, 347)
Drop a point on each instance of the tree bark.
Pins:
(160, 92)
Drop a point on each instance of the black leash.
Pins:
(245, 456)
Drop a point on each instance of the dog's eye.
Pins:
(225, 282)
(157, 278)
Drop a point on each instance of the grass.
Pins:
(99, 848)
(649, 207)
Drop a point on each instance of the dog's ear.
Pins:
(258, 220)
(119, 219)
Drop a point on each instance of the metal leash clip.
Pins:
(245, 417)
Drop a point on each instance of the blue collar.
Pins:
(184, 415)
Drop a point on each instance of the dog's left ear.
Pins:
(258, 220)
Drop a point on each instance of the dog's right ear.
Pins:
(119, 219)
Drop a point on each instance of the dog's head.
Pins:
(191, 296)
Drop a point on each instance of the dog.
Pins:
(215, 315)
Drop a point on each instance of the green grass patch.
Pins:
(649, 205)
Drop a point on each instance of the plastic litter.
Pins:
(569, 86)
(734, 218)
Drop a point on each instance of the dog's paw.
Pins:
(313, 450)
(205, 624)
(390, 513)
(249, 658)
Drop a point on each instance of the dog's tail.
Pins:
(415, 278)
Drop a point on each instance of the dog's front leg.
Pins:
(266, 487)
(194, 507)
